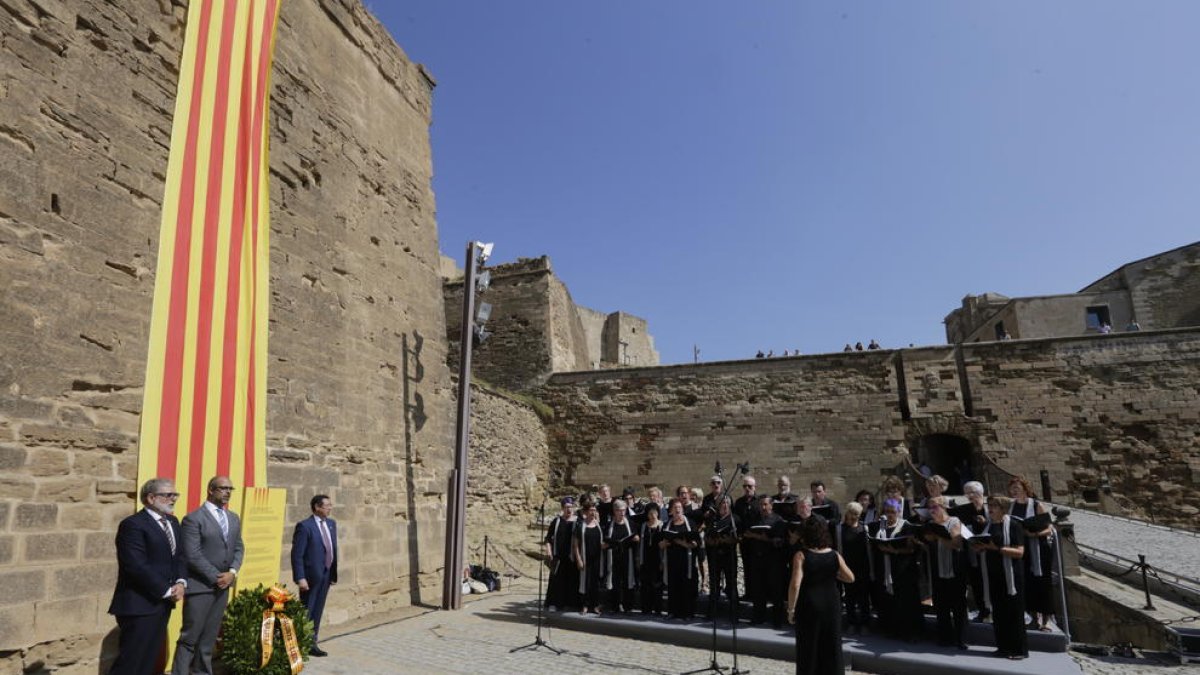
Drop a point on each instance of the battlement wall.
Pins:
(1124, 406)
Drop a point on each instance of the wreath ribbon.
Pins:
(278, 597)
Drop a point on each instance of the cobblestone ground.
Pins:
(1173, 551)
(478, 640)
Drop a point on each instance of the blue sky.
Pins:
(789, 174)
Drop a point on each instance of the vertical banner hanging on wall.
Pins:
(205, 396)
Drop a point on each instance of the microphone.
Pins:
(717, 469)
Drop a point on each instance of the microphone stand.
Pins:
(713, 666)
(538, 641)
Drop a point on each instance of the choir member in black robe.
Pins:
(1039, 554)
(822, 505)
(562, 588)
(588, 543)
(1003, 548)
(767, 539)
(870, 514)
(604, 505)
(974, 516)
(943, 537)
(720, 540)
(678, 545)
(746, 510)
(621, 540)
(896, 571)
(784, 501)
(651, 564)
(850, 540)
(813, 604)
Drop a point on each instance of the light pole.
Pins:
(456, 494)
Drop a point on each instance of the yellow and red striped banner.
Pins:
(205, 394)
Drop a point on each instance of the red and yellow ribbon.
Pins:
(278, 597)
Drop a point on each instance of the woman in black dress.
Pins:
(1004, 576)
(813, 595)
(1039, 558)
(621, 538)
(651, 565)
(943, 537)
(677, 544)
(588, 544)
(897, 586)
(561, 591)
(850, 540)
(974, 517)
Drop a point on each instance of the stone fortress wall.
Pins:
(1122, 408)
(360, 401)
(537, 329)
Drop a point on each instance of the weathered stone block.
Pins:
(97, 464)
(12, 457)
(44, 547)
(16, 627)
(17, 487)
(22, 586)
(99, 546)
(80, 580)
(80, 517)
(35, 517)
(7, 542)
(48, 462)
(64, 490)
(119, 490)
(55, 618)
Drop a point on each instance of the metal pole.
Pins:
(1145, 581)
(456, 500)
(485, 548)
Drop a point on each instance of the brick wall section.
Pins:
(1125, 405)
(508, 473)
(358, 401)
(836, 417)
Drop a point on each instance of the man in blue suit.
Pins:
(151, 578)
(314, 561)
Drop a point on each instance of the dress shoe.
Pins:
(317, 651)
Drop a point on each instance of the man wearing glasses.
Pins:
(150, 577)
(212, 545)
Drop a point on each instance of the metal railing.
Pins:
(1154, 581)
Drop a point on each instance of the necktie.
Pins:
(328, 543)
(170, 535)
(223, 520)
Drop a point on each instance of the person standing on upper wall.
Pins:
(315, 561)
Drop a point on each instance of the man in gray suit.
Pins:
(212, 545)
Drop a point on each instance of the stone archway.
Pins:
(948, 446)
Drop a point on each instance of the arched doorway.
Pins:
(947, 455)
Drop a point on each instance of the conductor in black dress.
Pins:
(151, 574)
(814, 605)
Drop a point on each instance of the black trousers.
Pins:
(141, 642)
(722, 576)
(950, 601)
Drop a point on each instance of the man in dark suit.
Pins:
(150, 578)
(314, 561)
(212, 545)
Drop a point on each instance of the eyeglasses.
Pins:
(168, 495)
(225, 488)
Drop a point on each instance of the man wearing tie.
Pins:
(212, 545)
(314, 561)
(150, 578)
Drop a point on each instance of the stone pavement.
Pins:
(1175, 551)
(478, 640)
